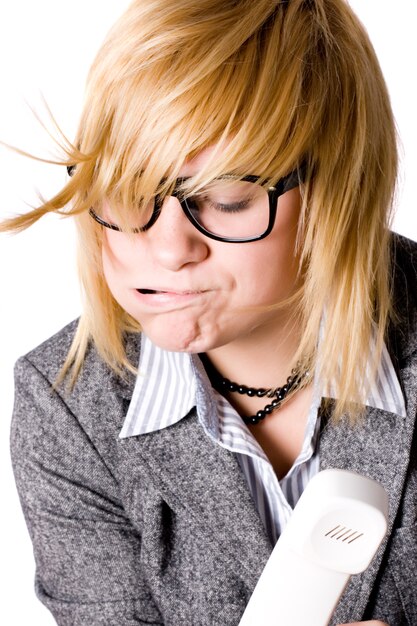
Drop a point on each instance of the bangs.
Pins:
(273, 86)
(169, 98)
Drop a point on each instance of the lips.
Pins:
(168, 291)
(167, 299)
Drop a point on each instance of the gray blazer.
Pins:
(161, 528)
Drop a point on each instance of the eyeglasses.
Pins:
(228, 209)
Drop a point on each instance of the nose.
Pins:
(173, 240)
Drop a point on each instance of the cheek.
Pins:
(115, 260)
(268, 270)
(110, 261)
(281, 257)
(111, 276)
(117, 254)
(271, 278)
(117, 280)
(108, 266)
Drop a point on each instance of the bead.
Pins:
(277, 395)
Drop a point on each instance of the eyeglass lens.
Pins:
(226, 208)
(235, 209)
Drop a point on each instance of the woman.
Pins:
(249, 319)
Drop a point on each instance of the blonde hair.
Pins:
(285, 83)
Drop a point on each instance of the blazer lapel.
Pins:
(204, 479)
(195, 474)
(379, 447)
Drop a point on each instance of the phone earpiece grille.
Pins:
(344, 534)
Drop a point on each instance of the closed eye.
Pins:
(234, 207)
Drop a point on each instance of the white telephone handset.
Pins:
(334, 532)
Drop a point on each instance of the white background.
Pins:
(46, 48)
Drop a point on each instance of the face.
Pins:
(194, 294)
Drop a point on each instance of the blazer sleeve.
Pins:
(87, 553)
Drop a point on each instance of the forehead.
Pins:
(192, 166)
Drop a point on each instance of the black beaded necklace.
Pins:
(278, 394)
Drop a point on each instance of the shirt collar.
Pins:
(170, 384)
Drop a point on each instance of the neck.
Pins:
(261, 359)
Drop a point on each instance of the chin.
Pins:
(189, 338)
(176, 339)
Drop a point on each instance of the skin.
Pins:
(210, 291)
(212, 286)
(212, 305)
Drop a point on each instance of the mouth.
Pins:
(169, 298)
(165, 291)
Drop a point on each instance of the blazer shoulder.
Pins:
(404, 254)
(402, 335)
(96, 383)
(54, 349)
(49, 356)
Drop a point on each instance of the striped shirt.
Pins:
(170, 384)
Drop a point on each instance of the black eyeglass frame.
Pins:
(292, 180)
